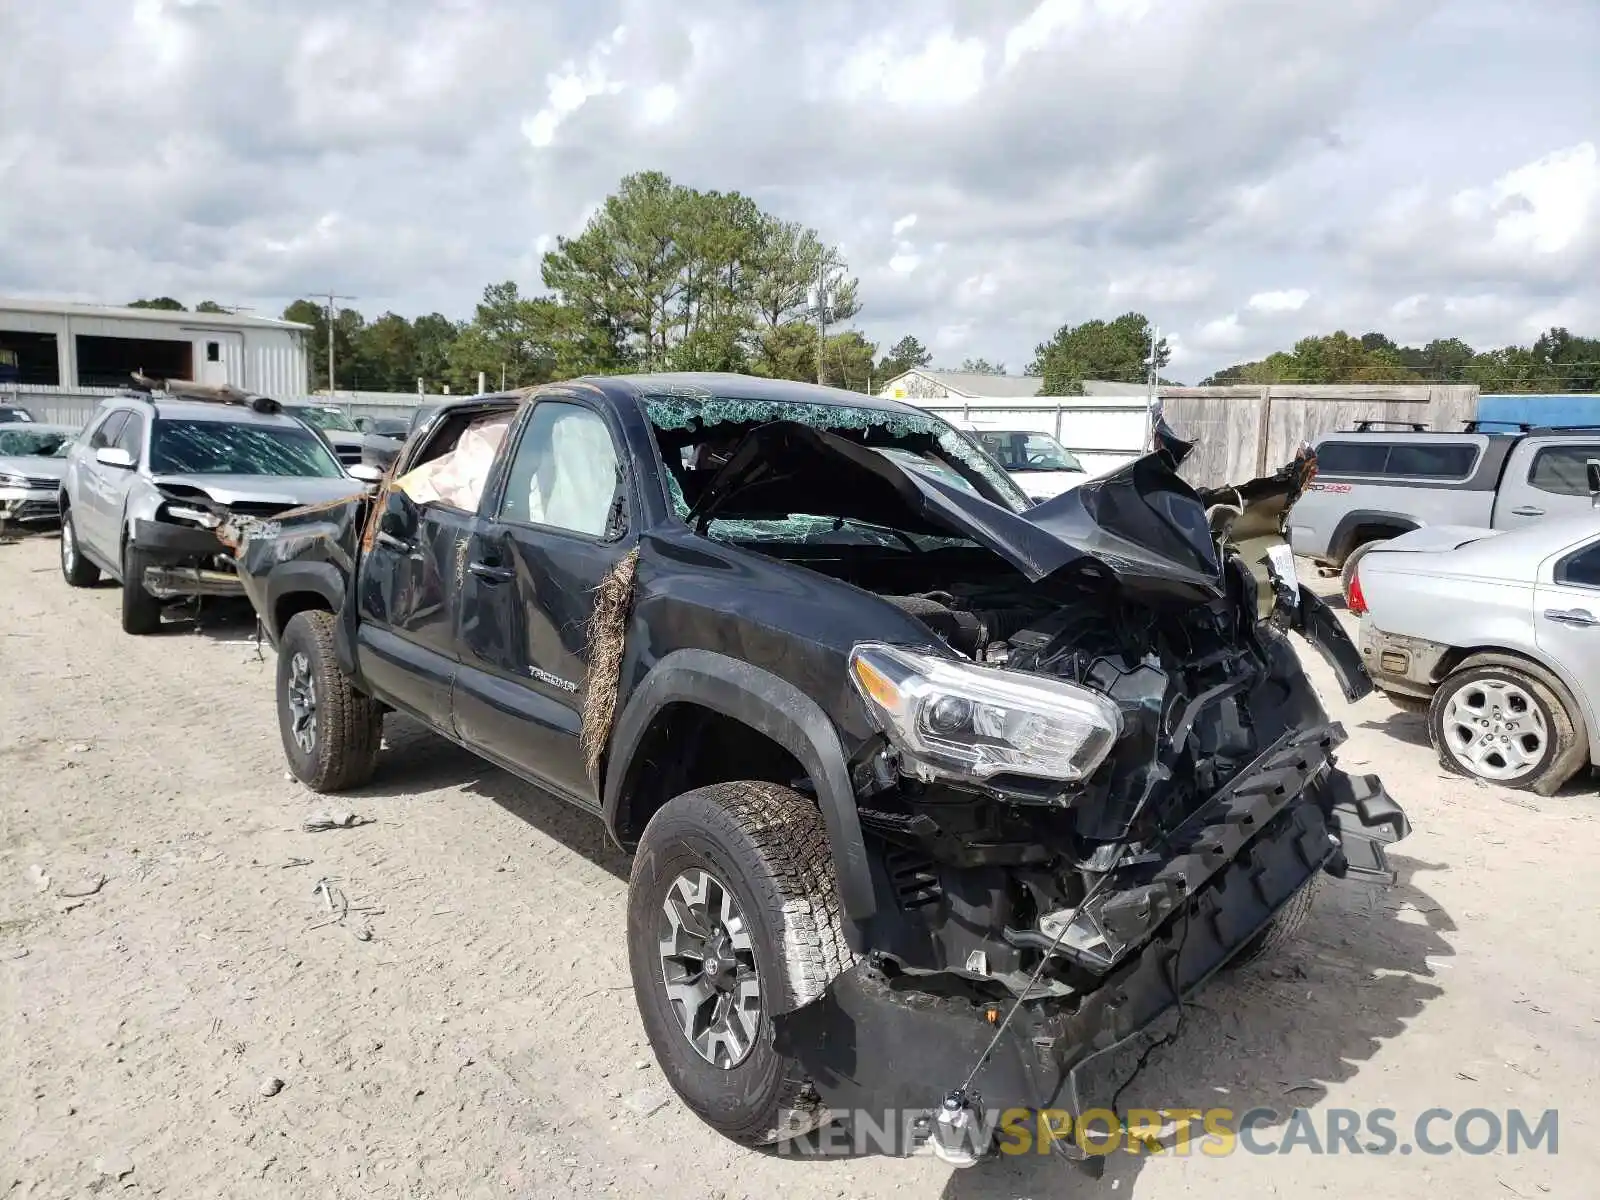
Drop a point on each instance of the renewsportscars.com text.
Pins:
(1214, 1132)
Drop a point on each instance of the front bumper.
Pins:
(175, 554)
(29, 506)
(1407, 665)
(891, 1046)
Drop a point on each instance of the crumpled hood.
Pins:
(1141, 524)
(34, 466)
(288, 490)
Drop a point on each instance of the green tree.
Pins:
(209, 306)
(1116, 350)
(848, 362)
(982, 366)
(165, 303)
(903, 356)
(346, 333)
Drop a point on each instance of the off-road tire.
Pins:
(1347, 573)
(348, 729)
(1567, 746)
(767, 844)
(141, 612)
(1284, 926)
(77, 570)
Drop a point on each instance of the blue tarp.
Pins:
(1541, 410)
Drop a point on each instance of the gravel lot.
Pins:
(468, 1028)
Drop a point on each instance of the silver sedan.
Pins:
(1496, 636)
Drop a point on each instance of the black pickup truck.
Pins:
(939, 799)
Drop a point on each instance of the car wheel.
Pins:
(1283, 927)
(1506, 722)
(733, 915)
(331, 732)
(1347, 573)
(77, 570)
(141, 612)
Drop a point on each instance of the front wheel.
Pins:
(1283, 927)
(733, 915)
(1501, 721)
(331, 732)
(77, 570)
(141, 612)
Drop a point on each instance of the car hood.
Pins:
(1142, 524)
(1046, 485)
(287, 490)
(34, 466)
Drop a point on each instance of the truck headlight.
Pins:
(12, 481)
(186, 515)
(966, 721)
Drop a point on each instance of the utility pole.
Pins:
(824, 290)
(333, 385)
(1153, 400)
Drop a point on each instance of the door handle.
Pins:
(1578, 618)
(490, 573)
(1527, 510)
(399, 545)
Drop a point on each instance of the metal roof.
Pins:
(67, 308)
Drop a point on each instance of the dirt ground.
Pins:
(468, 1028)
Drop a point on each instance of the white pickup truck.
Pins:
(1374, 484)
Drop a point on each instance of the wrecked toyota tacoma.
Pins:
(938, 799)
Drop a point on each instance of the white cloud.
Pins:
(1222, 333)
(572, 87)
(1540, 208)
(1289, 301)
(1051, 20)
(903, 224)
(905, 261)
(947, 71)
(1164, 285)
(660, 102)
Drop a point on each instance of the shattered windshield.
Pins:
(699, 432)
(42, 443)
(1019, 450)
(225, 448)
(326, 418)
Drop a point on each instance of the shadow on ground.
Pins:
(1410, 728)
(1274, 1035)
(415, 759)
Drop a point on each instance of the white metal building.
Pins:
(49, 345)
(1106, 427)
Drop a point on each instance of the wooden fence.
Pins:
(1242, 432)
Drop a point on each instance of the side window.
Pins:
(1352, 458)
(213, 351)
(131, 436)
(1562, 470)
(105, 433)
(566, 474)
(1424, 461)
(1581, 568)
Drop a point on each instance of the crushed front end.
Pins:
(1104, 798)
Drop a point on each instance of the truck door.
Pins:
(1545, 477)
(558, 526)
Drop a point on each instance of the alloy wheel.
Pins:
(709, 968)
(1494, 729)
(69, 547)
(302, 703)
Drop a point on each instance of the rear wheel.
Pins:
(1504, 721)
(141, 612)
(1347, 573)
(75, 568)
(331, 732)
(733, 915)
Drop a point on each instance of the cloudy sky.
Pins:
(1244, 171)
